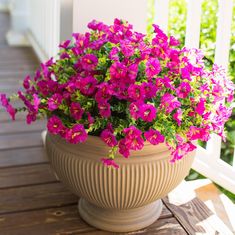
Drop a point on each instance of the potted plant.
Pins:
(124, 111)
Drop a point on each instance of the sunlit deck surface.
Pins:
(33, 202)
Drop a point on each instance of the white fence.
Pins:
(50, 21)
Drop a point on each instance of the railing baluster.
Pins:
(161, 13)
(193, 23)
(223, 33)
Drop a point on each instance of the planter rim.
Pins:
(95, 145)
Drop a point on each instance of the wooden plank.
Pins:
(66, 220)
(192, 213)
(168, 226)
(22, 156)
(35, 197)
(26, 175)
(22, 126)
(4, 117)
(16, 74)
(21, 140)
(215, 200)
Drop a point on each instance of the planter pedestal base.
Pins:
(119, 220)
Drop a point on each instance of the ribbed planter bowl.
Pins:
(118, 200)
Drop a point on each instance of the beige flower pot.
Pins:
(118, 200)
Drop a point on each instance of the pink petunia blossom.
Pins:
(26, 82)
(169, 102)
(104, 109)
(108, 137)
(54, 125)
(178, 116)
(76, 110)
(118, 70)
(76, 134)
(136, 92)
(87, 85)
(183, 90)
(153, 67)
(109, 162)
(123, 148)
(54, 102)
(113, 54)
(89, 62)
(154, 137)
(147, 112)
(149, 90)
(133, 138)
(200, 108)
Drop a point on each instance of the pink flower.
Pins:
(196, 133)
(154, 137)
(65, 44)
(76, 111)
(87, 85)
(147, 112)
(26, 83)
(8, 106)
(89, 62)
(113, 54)
(31, 117)
(54, 102)
(76, 134)
(118, 70)
(108, 137)
(132, 72)
(135, 92)
(4, 100)
(174, 41)
(90, 118)
(127, 48)
(153, 67)
(54, 125)
(103, 92)
(109, 162)
(123, 148)
(169, 102)
(149, 90)
(178, 116)
(185, 73)
(11, 111)
(133, 138)
(104, 109)
(200, 109)
(134, 109)
(36, 102)
(183, 90)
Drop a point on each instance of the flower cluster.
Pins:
(128, 88)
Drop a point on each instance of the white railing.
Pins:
(50, 22)
(208, 161)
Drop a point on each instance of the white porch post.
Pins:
(19, 22)
(134, 11)
(4, 5)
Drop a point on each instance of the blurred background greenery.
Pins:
(177, 27)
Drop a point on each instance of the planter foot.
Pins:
(119, 220)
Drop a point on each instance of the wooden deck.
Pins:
(33, 202)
